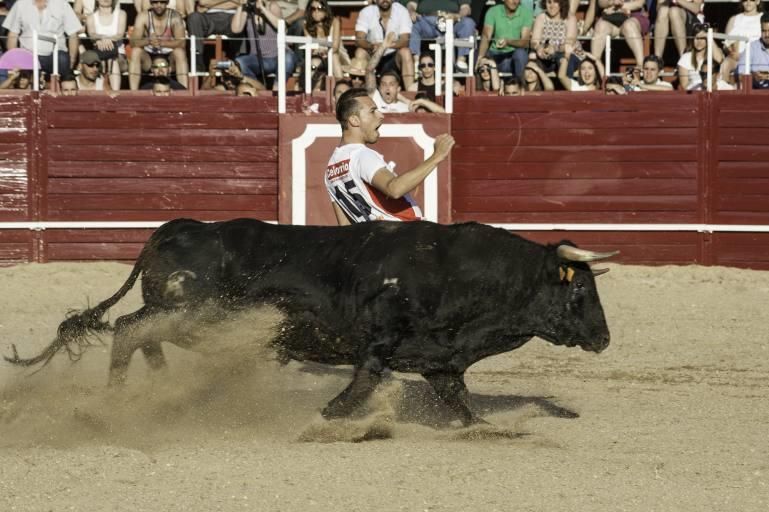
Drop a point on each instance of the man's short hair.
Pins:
(392, 73)
(343, 81)
(657, 60)
(162, 80)
(764, 17)
(348, 105)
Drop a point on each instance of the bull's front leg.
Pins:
(364, 381)
(450, 388)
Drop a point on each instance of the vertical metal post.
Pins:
(438, 58)
(308, 46)
(193, 58)
(281, 66)
(709, 60)
(448, 100)
(607, 57)
(35, 63)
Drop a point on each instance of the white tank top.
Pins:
(109, 29)
(746, 26)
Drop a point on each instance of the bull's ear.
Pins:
(566, 274)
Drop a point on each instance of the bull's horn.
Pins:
(570, 253)
(599, 271)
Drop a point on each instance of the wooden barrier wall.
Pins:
(558, 158)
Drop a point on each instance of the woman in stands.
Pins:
(320, 23)
(535, 79)
(691, 62)
(106, 28)
(554, 28)
(589, 74)
(626, 18)
(678, 17)
(746, 24)
(488, 76)
(426, 82)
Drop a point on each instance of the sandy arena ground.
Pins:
(674, 416)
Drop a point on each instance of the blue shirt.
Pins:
(759, 58)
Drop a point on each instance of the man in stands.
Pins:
(161, 67)
(361, 184)
(371, 26)
(161, 86)
(759, 57)
(157, 32)
(90, 78)
(505, 37)
(429, 18)
(52, 19)
(68, 86)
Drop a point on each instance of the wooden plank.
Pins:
(659, 102)
(742, 203)
(253, 170)
(179, 137)
(97, 235)
(577, 170)
(577, 136)
(267, 214)
(143, 185)
(93, 251)
(728, 170)
(743, 153)
(594, 187)
(755, 102)
(13, 136)
(171, 121)
(13, 123)
(744, 118)
(586, 203)
(743, 136)
(502, 121)
(146, 202)
(14, 151)
(497, 154)
(744, 187)
(110, 153)
(749, 216)
(651, 217)
(217, 105)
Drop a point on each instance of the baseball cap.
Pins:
(90, 57)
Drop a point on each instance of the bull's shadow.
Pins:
(420, 404)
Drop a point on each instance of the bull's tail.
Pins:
(74, 332)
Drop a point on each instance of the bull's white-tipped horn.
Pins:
(570, 253)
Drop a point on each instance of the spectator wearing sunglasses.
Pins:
(426, 82)
(159, 31)
(90, 78)
(161, 68)
(320, 23)
(371, 26)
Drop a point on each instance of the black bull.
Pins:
(412, 297)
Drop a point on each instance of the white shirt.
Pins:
(389, 108)
(51, 23)
(746, 26)
(694, 75)
(348, 178)
(368, 22)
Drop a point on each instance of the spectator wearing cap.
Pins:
(161, 68)
(356, 72)
(429, 18)
(505, 36)
(371, 26)
(159, 31)
(52, 19)
(68, 86)
(90, 78)
(759, 57)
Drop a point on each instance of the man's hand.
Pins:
(443, 145)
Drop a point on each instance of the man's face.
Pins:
(161, 90)
(512, 5)
(89, 71)
(69, 88)
(427, 67)
(512, 90)
(389, 88)
(159, 67)
(765, 33)
(369, 119)
(159, 6)
(384, 5)
(651, 72)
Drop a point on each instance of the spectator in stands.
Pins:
(340, 87)
(746, 24)
(183, 7)
(293, 11)
(52, 19)
(229, 77)
(83, 9)
(320, 23)
(17, 79)
(426, 82)
(386, 93)
(717, 82)
(260, 27)
(488, 75)
(585, 25)
(159, 31)
(690, 62)
(759, 57)
(355, 72)
(553, 30)
(505, 36)
(637, 80)
(106, 28)
(161, 68)
(513, 86)
(627, 18)
(370, 28)
(246, 89)
(212, 17)
(678, 17)
(161, 87)
(429, 18)
(91, 78)
(535, 79)
(68, 86)
(589, 74)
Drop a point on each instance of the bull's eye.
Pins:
(579, 285)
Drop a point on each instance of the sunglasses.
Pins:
(317, 8)
(427, 65)
(158, 2)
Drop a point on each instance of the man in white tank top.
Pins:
(361, 185)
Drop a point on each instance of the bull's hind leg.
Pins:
(450, 388)
(125, 342)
